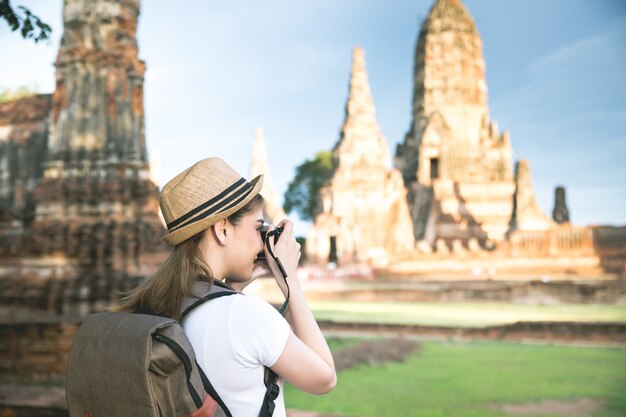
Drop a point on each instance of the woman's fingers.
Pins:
(287, 226)
(287, 249)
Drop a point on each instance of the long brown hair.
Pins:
(163, 293)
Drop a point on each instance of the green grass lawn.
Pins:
(463, 314)
(463, 379)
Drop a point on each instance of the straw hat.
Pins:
(202, 195)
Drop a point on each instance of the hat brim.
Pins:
(180, 235)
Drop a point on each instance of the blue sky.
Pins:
(556, 76)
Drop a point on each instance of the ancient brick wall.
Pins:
(520, 292)
(29, 297)
(562, 240)
(35, 351)
(610, 244)
(554, 332)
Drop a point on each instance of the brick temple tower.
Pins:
(455, 162)
(363, 215)
(95, 200)
(94, 215)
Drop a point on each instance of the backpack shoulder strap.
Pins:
(204, 292)
(271, 393)
(208, 387)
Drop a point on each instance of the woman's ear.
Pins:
(222, 231)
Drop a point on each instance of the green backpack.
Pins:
(139, 365)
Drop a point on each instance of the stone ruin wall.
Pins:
(609, 243)
(37, 351)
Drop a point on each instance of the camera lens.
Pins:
(263, 231)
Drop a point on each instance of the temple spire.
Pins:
(560, 214)
(360, 106)
(526, 212)
(364, 192)
(361, 138)
(273, 210)
(456, 74)
(455, 162)
(451, 2)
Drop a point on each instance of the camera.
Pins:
(266, 234)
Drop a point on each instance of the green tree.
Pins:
(303, 191)
(7, 94)
(30, 25)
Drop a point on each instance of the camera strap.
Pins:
(271, 378)
(282, 308)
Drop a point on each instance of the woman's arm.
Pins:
(306, 361)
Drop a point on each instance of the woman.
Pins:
(213, 217)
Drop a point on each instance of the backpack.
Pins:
(140, 365)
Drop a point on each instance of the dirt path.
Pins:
(580, 407)
(559, 333)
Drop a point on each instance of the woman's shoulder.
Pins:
(254, 305)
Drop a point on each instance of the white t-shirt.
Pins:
(234, 337)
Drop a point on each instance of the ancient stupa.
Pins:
(527, 215)
(273, 210)
(363, 215)
(455, 162)
(560, 213)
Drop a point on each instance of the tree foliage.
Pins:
(7, 94)
(303, 191)
(29, 25)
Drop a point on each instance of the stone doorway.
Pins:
(434, 168)
(332, 253)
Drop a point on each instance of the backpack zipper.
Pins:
(184, 358)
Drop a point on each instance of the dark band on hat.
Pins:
(217, 204)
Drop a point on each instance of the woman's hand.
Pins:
(287, 250)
